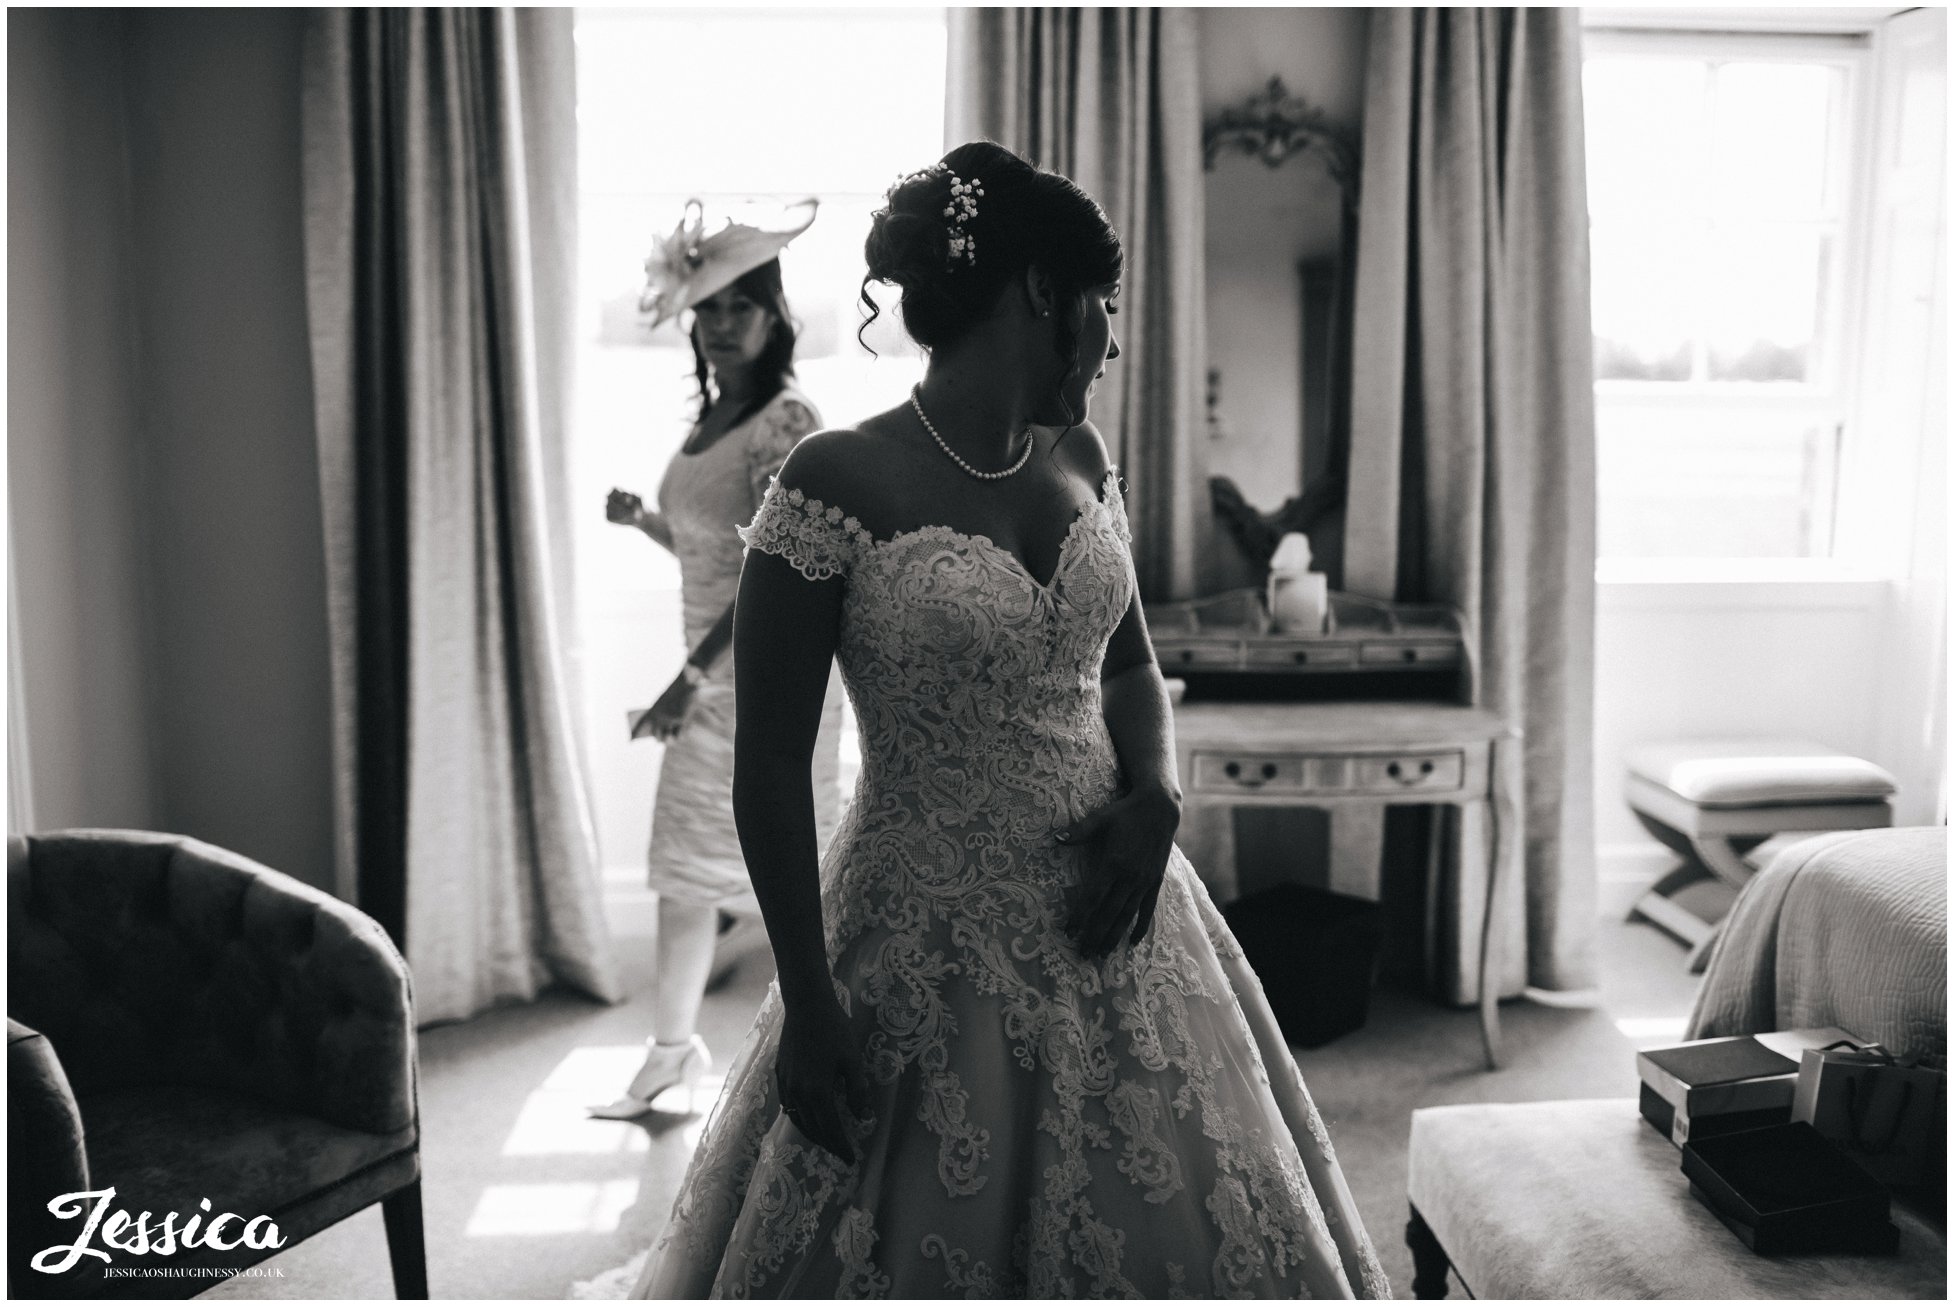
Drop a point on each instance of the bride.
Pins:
(1013, 1051)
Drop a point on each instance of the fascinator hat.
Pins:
(688, 265)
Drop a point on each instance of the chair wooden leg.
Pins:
(1429, 1264)
(406, 1245)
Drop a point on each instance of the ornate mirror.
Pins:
(1282, 240)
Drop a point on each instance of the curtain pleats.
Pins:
(440, 163)
(1472, 446)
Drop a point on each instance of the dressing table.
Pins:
(1266, 720)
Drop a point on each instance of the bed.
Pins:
(1848, 930)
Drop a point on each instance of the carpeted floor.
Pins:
(525, 1198)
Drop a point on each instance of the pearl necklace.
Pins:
(916, 402)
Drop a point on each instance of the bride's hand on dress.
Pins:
(818, 1073)
(1127, 844)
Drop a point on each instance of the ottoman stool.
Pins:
(1713, 801)
(1583, 1200)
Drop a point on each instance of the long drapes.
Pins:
(439, 158)
(1472, 443)
(1111, 98)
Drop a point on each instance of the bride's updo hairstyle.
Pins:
(1025, 217)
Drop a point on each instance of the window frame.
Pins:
(1842, 39)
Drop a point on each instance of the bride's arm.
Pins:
(784, 631)
(786, 623)
(1139, 715)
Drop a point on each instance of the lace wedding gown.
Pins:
(1045, 1125)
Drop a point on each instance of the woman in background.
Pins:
(750, 416)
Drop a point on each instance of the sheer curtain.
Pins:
(1111, 98)
(1472, 454)
(439, 160)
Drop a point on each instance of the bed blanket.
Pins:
(1846, 929)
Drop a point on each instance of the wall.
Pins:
(164, 474)
(243, 705)
(1904, 390)
(1262, 222)
(74, 469)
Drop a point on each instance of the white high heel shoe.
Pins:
(664, 1067)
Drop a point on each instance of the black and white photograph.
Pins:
(798, 651)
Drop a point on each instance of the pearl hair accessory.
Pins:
(916, 402)
(961, 209)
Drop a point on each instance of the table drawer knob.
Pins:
(1433, 772)
(1246, 774)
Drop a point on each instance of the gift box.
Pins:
(1787, 1189)
(1887, 1114)
(1679, 1127)
(1720, 1086)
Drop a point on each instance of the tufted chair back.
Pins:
(152, 959)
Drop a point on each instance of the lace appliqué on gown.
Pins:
(1045, 1124)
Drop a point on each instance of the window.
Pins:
(1721, 199)
(734, 107)
(731, 106)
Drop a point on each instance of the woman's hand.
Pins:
(668, 714)
(818, 1075)
(625, 509)
(1126, 845)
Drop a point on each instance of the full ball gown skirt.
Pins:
(1042, 1125)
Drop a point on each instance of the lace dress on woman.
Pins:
(1044, 1125)
(695, 848)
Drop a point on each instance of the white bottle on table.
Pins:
(1299, 599)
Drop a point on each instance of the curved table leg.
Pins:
(1488, 944)
(1503, 847)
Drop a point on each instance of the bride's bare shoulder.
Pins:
(852, 468)
(1083, 450)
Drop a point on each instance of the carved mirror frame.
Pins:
(1275, 126)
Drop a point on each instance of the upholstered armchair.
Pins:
(185, 1024)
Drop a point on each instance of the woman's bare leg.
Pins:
(686, 936)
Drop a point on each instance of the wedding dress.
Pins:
(1044, 1125)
